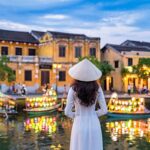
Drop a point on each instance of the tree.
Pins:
(6, 73)
(124, 72)
(104, 66)
(142, 69)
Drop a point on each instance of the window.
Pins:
(62, 51)
(77, 52)
(62, 75)
(18, 51)
(93, 52)
(4, 50)
(32, 52)
(116, 64)
(130, 61)
(28, 75)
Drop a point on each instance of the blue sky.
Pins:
(112, 20)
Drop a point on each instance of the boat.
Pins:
(7, 105)
(42, 105)
(130, 108)
(129, 115)
(41, 111)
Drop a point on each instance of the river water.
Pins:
(52, 132)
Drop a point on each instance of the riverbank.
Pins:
(20, 100)
(107, 96)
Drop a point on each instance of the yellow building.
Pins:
(125, 55)
(38, 58)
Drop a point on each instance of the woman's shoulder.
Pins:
(71, 90)
(99, 89)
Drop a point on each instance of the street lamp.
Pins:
(56, 68)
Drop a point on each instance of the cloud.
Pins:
(111, 26)
(127, 18)
(55, 16)
(10, 25)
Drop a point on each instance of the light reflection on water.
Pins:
(53, 133)
(132, 128)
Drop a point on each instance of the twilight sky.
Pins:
(114, 21)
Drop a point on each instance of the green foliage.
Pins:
(2, 75)
(143, 65)
(5, 71)
(144, 61)
(105, 67)
(124, 72)
(141, 69)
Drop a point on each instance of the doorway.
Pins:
(45, 77)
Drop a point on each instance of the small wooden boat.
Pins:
(133, 108)
(7, 106)
(42, 105)
(41, 111)
(129, 115)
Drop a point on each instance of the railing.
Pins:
(45, 60)
(30, 59)
(13, 58)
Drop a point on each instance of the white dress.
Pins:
(86, 131)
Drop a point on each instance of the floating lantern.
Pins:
(42, 103)
(135, 105)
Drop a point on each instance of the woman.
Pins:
(84, 93)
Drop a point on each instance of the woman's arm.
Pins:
(101, 100)
(70, 104)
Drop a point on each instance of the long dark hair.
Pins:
(86, 91)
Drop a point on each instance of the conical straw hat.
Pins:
(85, 71)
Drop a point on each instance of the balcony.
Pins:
(23, 59)
(30, 59)
(45, 60)
(13, 58)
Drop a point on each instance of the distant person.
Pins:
(19, 87)
(13, 88)
(44, 88)
(47, 87)
(129, 89)
(63, 100)
(65, 91)
(23, 90)
(145, 89)
(84, 93)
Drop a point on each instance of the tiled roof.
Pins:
(37, 34)
(136, 43)
(17, 36)
(121, 48)
(34, 36)
(55, 34)
(66, 35)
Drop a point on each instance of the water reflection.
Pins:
(132, 128)
(39, 124)
(53, 133)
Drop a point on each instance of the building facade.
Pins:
(39, 58)
(125, 55)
